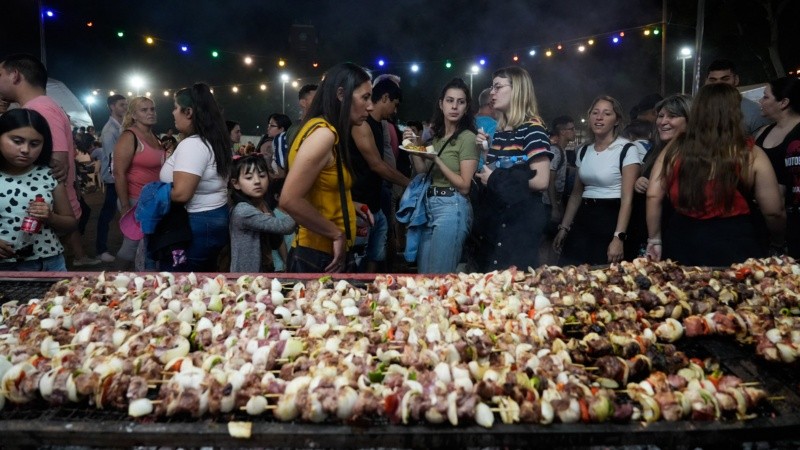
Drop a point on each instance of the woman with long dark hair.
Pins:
(781, 142)
(708, 174)
(451, 166)
(317, 189)
(511, 215)
(198, 171)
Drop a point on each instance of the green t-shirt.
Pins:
(463, 148)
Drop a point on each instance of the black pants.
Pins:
(309, 260)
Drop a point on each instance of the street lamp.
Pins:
(686, 53)
(284, 79)
(137, 82)
(89, 102)
(472, 72)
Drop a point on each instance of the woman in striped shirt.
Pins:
(511, 216)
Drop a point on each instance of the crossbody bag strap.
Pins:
(433, 164)
(343, 196)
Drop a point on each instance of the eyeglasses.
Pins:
(497, 87)
(272, 125)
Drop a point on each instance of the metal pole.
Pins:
(663, 48)
(698, 44)
(283, 98)
(42, 48)
(470, 82)
(683, 75)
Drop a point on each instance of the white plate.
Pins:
(428, 149)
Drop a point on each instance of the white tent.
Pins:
(753, 92)
(78, 115)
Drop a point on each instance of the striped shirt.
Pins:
(519, 145)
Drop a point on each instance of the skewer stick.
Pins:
(750, 383)
(156, 402)
(776, 398)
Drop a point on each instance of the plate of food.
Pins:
(410, 147)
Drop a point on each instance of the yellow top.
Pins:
(324, 194)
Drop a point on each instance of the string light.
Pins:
(580, 44)
(166, 93)
(235, 89)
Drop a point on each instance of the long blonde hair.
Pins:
(523, 106)
(127, 121)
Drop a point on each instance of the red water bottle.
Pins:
(30, 224)
(362, 225)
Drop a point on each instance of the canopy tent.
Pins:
(78, 115)
(752, 92)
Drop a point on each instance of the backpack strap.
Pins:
(582, 152)
(623, 153)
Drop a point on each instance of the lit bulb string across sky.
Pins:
(581, 44)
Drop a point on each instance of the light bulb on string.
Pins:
(315, 64)
(581, 48)
(415, 68)
(515, 58)
(49, 13)
(90, 24)
(381, 63)
(248, 60)
(448, 64)
(185, 48)
(559, 47)
(166, 93)
(281, 63)
(548, 53)
(656, 31)
(149, 40)
(482, 62)
(120, 34)
(147, 94)
(532, 52)
(647, 32)
(263, 87)
(235, 89)
(214, 54)
(591, 42)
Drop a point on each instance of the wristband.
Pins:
(563, 228)
(654, 241)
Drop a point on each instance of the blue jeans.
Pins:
(209, 234)
(50, 264)
(104, 220)
(374, 242)
(442, 238)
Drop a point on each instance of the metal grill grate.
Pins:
(23, 289)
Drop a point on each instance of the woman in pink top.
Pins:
(138, 157)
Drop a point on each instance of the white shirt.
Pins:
(600, 172)
(195, 157)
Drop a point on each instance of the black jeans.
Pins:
(309, 260)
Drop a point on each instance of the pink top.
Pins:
(62, 141)
(145, 166)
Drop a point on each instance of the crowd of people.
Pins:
(709, 180)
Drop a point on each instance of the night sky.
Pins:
(402, 32)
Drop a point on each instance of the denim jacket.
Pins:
(413, 213)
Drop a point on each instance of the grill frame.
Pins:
(40, 424)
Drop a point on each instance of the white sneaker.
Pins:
(107, 257)
(85, 261)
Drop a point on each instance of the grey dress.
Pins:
(247, 223)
